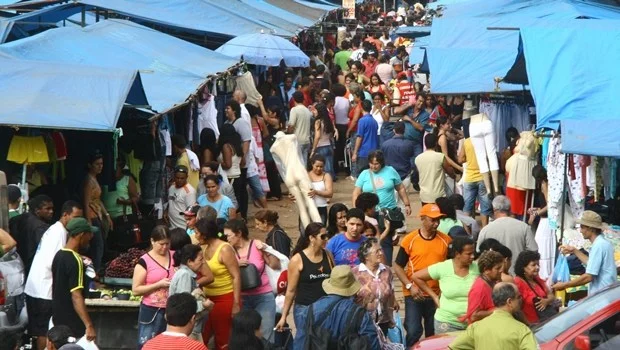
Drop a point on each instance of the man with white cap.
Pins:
(337, 308)
(600, 265)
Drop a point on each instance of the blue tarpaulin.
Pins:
(171, 69)
(21, 25)
(413, 31)
(416, 55)
(279, 12)
(65, 96)
(198, 15)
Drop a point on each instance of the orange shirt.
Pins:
(424, 253)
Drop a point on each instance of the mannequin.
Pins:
(483, 139)
(525, 161)
(294, 175)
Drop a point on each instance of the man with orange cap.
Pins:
(419, 249)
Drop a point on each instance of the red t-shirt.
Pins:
(173, 341)
(480, 298)
(529, 310)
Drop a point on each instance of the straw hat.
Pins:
(341, 282)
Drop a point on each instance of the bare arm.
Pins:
(420, 278)
(77, 299)
(229, 260)
(227, 154)
(6, 241)
(356, 115)
(294, 269)
(443, 143)
(207, 275)
(88, 212)
(448, 168)
(356, 192)
(358, 144)
(139, 286)
(246, 149)
(461, 157)
(328, 192)
(317, 135)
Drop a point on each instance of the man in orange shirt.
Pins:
(418, 250)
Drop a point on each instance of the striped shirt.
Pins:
(173, 341)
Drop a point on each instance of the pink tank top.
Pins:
(155, 273)
(256, 258)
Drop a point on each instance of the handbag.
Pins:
(396, 334)
(395, 215)
(250, 277)
(551, 309)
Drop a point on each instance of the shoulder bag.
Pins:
(250, 277)
(395, 215)
(551, 309)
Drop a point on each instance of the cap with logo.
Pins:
(432, 211)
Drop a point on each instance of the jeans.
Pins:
(151, 322)
(415, 312)
(328, 153)
(445, 327)
(97, 245)
(473, 190)
(340, 144)
(417, 150)
(265, 305)
(241, 192)
(305, 152)
(299, 315)
(256, 187)
(150, 182)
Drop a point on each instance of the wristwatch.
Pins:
(408, 286)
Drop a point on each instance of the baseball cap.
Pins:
(432, 211)
(372, 53)
(14, 193)
(181, 169)
(591, 219)
(79, 225)
(192, 210)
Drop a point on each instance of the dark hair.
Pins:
(207, 228)
(345, 45)
(253, 111)
(313, 229)
(208, 141)
(159, 233)
(377, 155)
(360, 94)
(457, 201)
(59, 336)
(179, 239)
(268, 216)
(503, 292)
(178, 140)
(365, 247)
(304, 81)
(524, 258)
(234, 105)
(339, 90)
(315, 158)
(458, 245)
(212, 177)
(213, 165)
(377, 94)
(298, 96)
(350, 76)
(540, 174)
(375, 75)
(277, 110)
(187, 253)
(512, 135)
(244, 326)
(494, 245)
(366, 105)
(332, 218)
(430, 141)
(37, 202)
(323, 114)
(366, 201)
(228, 135)
(238, 226)
(446, 207)
(399, 128)
(180, 309)
(356, 213)
(67, 207)
(488, 260)
(94, 155)
(368, 226)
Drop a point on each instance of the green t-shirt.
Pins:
(454, 291)
(341, 58)
(13, 213)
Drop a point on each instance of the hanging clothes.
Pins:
(555, 177)
(245, 83)
(525, 161)
(28, 149)
(505, 114)
(207, 116)
(260, 158)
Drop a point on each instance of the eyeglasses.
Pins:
(323, 237)
(376, 252)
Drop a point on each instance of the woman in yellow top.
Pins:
(225, 291)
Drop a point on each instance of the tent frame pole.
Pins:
(564, 193)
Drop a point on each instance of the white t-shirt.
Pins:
(178, 200)
(341, 110)
(39, 283)
(245, 115)
(357, 55)
(251, 158)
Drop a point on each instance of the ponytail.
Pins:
(185, 254)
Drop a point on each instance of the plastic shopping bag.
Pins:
(87, 345)
(396, 334)
(278, 279)
(561, 272)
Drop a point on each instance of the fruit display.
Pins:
(124, 264)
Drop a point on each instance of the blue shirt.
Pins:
(340, 309)
(398, 153)
(367, 128)
(344, 250)
(601, 265)
(385, 181)
(221, 206)
(414, 134)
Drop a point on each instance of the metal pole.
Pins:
(564, 192)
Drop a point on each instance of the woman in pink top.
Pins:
(151, 279)
(249, 251)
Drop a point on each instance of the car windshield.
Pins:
(572, 315)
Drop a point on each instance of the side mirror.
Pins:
(582, 342)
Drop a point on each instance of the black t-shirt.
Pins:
(68, 274)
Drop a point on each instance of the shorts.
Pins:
(256, 187)
(28, 149)
(39, 315)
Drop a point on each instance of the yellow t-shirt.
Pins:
(472, 174)
(222, 279)
(193, 176)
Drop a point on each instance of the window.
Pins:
(603, 336)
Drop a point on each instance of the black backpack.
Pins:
(319, 338)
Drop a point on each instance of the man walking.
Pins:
(432, 167)
(473, 185)
(398, 152)
(300, 123)
(180, 196)
(367, 139)
(513, 233)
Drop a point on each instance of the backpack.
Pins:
(351, 339)
(319, 338)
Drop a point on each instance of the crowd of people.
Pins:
(360, 114)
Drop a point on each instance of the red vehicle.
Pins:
(592, 323)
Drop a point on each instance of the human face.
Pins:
(212, 188)
(317, 167)
(419, 103)
(233, 238)
(429, 101)
(205, 170)
(190, 221)
(347, 81)
(341, 220)
(96, 166)
(374, 80)
(84, 241)
(320, 239)
(495, 273)
(531, 270)
(230, 113)
(430, 224)
(375, 255)
(180, 179)
(586, 231)
(354, 69)
(369, 233)
(260, 225)
(46, 211)
(467, 255)
(75, 213)
(377, 101)
(196, 264)
(161, 247)
(354, 228)
(288, 83)
(374, 165)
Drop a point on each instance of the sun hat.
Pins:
(79, 225)
(431, 210)
(591, 219)
(341, 282)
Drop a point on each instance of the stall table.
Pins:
(115, 321)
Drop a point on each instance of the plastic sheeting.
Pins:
(416, 55)
(24, 23)
(281, 12)
(308, 12)
(172, 69)
(64, 96)
(198, 15)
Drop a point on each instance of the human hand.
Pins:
(387, 224)
(354, 158)
(260, 245)
(312, 193)
(91, 334)
(416, 293)
(208, 304)
(408, 210)
(533, 211)
(542, 304)
(559, 286)
(243, 262)
(235, 309)
(436, 300)
(567, 249)
(164, 283)
(280, 325)
(396, 306)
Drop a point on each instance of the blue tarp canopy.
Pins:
(172, 69)
(311, 13)
(416, 55)
(65, 96)
(229, 18)
(464, 56)
(21, 25)
(413, 31)
(574, 78)
(319, 4)
(280, 12)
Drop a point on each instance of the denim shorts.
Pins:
(473, 190)
(151, 322)
(256, 187)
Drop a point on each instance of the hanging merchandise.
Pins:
(503, 115)
(207, 113)
(521, 174)
(28, 150)
(245, 82)
(483, 138)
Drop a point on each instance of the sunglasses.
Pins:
(323, 237)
